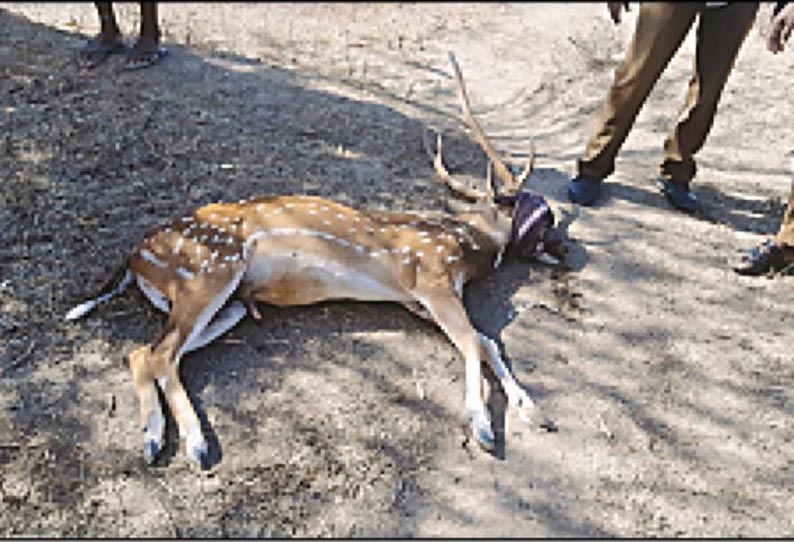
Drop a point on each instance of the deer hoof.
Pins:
(150, 450)
(482, 432)
(204, 461)
(198, 454)
(548, 425)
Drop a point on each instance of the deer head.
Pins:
(531, 219)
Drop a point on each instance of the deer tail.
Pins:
(115, 285)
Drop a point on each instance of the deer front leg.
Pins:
(449, 313)
(517, 397)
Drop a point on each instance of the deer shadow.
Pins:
(491, 317)
(491, 320)
(364, 174)
(489, 306)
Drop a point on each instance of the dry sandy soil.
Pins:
(669, 377)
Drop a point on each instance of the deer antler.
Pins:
(453, 182)
(502, 171)
(528, 167)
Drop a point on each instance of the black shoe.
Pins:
(584, 190)
(761, 260)
(680, 197)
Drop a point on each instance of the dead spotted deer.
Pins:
(207, 270)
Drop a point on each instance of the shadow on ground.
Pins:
(312, 432)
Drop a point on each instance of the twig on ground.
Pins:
(21, 359)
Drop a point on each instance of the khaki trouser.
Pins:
(785, 236)
(661, 27)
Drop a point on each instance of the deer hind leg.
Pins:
(151, 411)
(419, 310)
(160, 364)
(185, 415)
(449, 313)
(176, 395)
(223, 322)
(190, 326)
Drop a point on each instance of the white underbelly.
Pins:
(300, 277)
(155, 296)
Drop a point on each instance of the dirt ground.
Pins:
(668, 376)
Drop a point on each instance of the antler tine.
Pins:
(489, 181)
(455, 184)
(502, 171)
(528, 168)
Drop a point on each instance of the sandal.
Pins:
(762, 259)
(138, 60)
(96, 51)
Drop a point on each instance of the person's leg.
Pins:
(107, 21)
(107, 42)
(720, 35)
(661, 27)
(776, 254)
(785, 235)
(150, 29)
(146, 50)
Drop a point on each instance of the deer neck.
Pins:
(491, 234)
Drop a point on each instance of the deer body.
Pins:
(298, 250)
(207, 270)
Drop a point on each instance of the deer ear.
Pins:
(548, 259)
(506, 200)
(554, 245)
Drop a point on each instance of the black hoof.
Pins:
(485, 438)
(204, 460)
(150, 452)
(548, 425)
